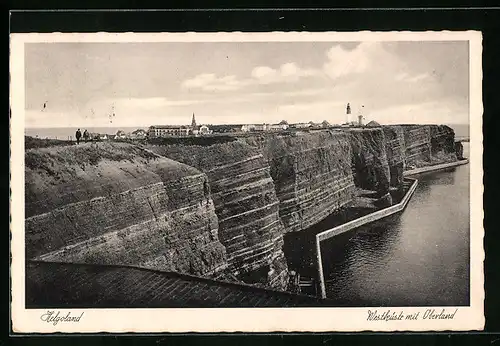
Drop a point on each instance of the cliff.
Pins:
(396, 153)
(370, 167)
(212, 206)
(246, 206)
(428, 145)
(311, 174)
(117, 204)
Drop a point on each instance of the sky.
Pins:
(143, 84)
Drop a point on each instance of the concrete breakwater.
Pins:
(366, 219)
(435, 167)
(215, 210)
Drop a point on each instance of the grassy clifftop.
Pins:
(206, 157)
(58, 175)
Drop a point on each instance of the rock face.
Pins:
(311, 174)
(418, 144)
(370, 166)
(459, 150)
(215, 206)
(118, 204)
(428, 144)
(395, 151)
(246, 206)
(442, 144)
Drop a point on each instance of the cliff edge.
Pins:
(246, 205)
(114, 203)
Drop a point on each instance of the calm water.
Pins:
(418, 257)
(66, 132)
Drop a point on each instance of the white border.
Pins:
(236, 319)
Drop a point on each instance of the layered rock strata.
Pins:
(418, 144)
(459, 150)
(118, 204)
(370, 166)
(311, 173)
(246, 206)
(443, 143)
(395, 148)
(429, 144)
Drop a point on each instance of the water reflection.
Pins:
(419, 257)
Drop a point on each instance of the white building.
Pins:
(247, 128)
(277, 127)
(204, 130)
(302, 125)
(168, 130)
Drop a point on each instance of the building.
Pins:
(120, 135)
(138, 134)
(277, 127)
(260, 127)
(204, 130)
(348, 113)
(325, 124)
(302, 125)
(373, 123)
(168, 130)
(175, 130)
(193, 123)
(247, 128)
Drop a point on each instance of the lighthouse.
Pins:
(348, 113)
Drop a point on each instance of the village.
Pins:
(195, 130)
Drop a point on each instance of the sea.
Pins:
(419, 257)
(69, 132)
(461, 130)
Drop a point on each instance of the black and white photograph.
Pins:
(335, 176)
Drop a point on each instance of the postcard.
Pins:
(246, 182)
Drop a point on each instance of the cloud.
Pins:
(342, 62)
(148, 102)
(286, 73)
(210, 82)
(366, 60)
(405, 77)
(445, 111)
(264, 73)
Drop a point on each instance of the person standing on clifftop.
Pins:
(85, 136)
(78, 135)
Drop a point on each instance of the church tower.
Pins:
(193, 122)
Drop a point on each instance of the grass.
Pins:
(206, 157)
(51, 157)
(33, 143)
